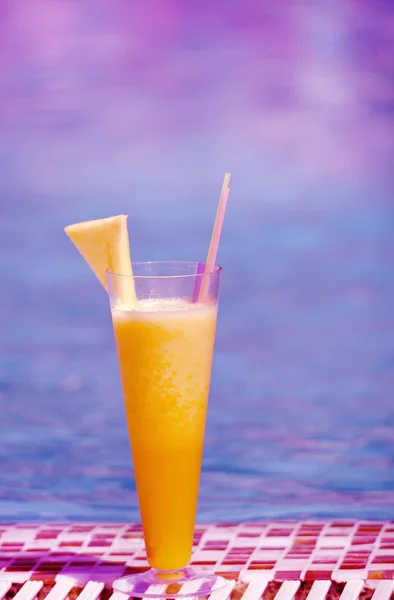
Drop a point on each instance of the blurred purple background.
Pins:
(112, 106)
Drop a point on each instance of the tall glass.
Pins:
(165, 345)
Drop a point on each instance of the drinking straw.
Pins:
(197, 283)
(215, 239)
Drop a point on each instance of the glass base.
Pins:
(185, 583)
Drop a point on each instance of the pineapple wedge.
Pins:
(104, 244)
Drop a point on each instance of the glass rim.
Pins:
(216, 269)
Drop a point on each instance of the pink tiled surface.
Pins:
(310, 550)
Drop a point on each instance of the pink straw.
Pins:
(215, 239)
(197, 283)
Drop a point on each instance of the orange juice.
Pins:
(165, 349)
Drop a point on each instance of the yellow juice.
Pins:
(165, 350)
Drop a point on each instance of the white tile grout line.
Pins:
(15, 576)
(118, 596)
(308, 563)
(263, 575)
(352, 590)
(190, 587)
(345, 548)
(91, 591)
(4, 587)
(61, 589)
(29, 590)
(383, 590)
(319, 590)
(118, 538)
(224, 592)
(287, 590)
(376, 547)
(255, 590)
(158, 589)
(211, 532)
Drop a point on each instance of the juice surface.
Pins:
(165, 352)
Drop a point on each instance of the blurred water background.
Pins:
(112, 106)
